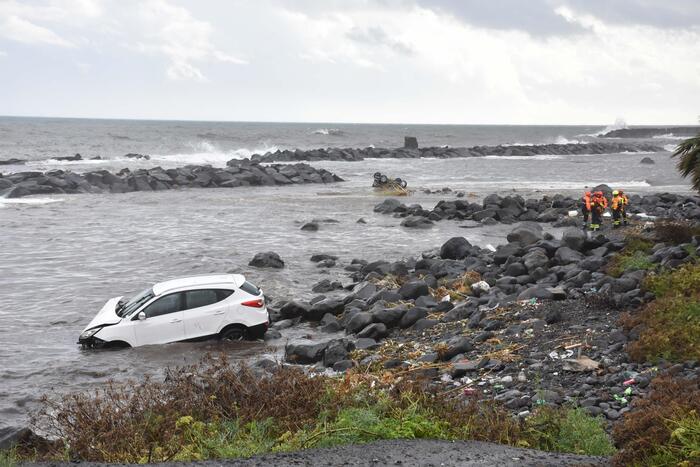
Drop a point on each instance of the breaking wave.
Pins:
(329, 132)
(207, 153)
(669, 136)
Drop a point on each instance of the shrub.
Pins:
(633, 256)
(663, 428)
(669, 327)
(675, 231)
(568, 430)
(214, 410)
(138, 422)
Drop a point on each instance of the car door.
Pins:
(163, 321)
(204, 311)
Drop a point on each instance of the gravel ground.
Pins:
(403, 452)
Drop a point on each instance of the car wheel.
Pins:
(233, 333)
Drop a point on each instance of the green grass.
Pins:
(633, 257)
(569, 430)
(8, 458)
(670, 325)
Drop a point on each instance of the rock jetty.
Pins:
(410, 152)
(651, 132)
(236, 174)
(554, 209)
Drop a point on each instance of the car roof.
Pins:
(212, 280)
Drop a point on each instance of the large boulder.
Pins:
(411, 316)
(334, 306)
(268, 259)
(455, 248)
(413, 289)
(526, 234)
(388, 206)
(536, 258)
(305, 354)
(566, 255)
(359, 321)
(335, 352)
(417, 222)
(294, 309)
(574, 239)
(456, 346)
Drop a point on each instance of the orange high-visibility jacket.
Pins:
(617, 202)
(587, 202)
(599, 202)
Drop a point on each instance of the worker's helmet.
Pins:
(615, 192)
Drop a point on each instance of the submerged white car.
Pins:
(191, 308)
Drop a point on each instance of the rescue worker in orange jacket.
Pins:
(618, 206)
(598, 205)
(626, 202)
(586, 208)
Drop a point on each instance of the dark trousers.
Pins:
(596, 218)
(617, 216)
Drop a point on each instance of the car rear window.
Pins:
(250, 288)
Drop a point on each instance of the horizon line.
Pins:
(140, 119)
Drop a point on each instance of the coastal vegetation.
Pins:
(688, 153)
(217, 410)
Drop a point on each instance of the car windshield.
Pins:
(136, 302)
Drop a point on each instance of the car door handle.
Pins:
(175, 320)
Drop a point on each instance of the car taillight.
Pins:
(257, 303)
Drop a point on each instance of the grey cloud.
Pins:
(668, 14)
(535, 17)
(538, 17)
(376, 36)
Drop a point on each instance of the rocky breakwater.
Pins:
(355, 154)
(651, 132)
(236, 174)
(555, 209)
(533, 323)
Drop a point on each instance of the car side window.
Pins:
(204, 297)
(168, 304)
(200, 298)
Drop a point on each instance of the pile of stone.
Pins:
(532, 297)
(354, 154)
(236, 174)
(555, 209)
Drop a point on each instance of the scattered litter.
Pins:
(573, 213)
(629, 382)
(620, 399)
(581, 364)
(481, 286)
(446, 298)
(490, 247)
(554, 355)
(628, 392)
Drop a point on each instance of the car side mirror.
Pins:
(141, 316)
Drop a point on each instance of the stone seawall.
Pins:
(356, 154)
(236, 174)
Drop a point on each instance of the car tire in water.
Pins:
(233, 333)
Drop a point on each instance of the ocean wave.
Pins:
(69, 163)
(619, 124)
(207, 153)
(669, 136)
(538, 157)
(329, 132)
(670, 147)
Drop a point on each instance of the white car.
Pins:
(192, 308)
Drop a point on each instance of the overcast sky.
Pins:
(402, 61)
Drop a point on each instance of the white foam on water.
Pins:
(669, 136)
(670, 147)
(208, 153)
(328, 132)
(5, 202)
(538, 157)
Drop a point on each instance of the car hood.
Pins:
(107, 315)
